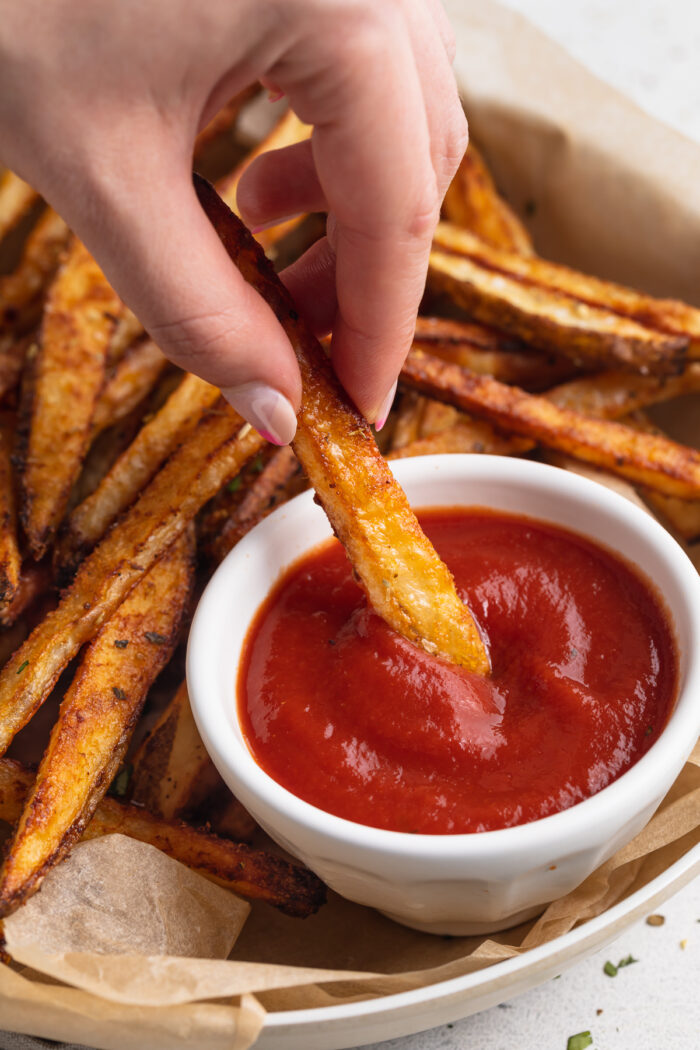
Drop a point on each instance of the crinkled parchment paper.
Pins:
(141, 960)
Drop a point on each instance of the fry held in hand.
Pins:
(405, 581)
(95, 722)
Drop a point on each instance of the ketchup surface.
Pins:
(351, 717)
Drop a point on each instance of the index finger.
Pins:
(371, 147)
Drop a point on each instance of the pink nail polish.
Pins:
(266, 409)
(275, 96)
(385, 408)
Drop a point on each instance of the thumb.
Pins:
(162, 256)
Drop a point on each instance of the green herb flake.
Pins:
(119, 693)
(258, 465)
(22, 666)
(120, 783)
(121, 643)
(235, 484)
(155, 638)
(627, 961)
(610, 969)
(579, 1041)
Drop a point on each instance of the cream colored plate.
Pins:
(354, 1024)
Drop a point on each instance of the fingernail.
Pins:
(385, 408)
(271, 223)
(266, 409)
(275, 95)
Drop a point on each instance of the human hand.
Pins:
(100, 104)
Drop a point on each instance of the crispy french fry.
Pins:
(135, 467)
(214, 453)
(16, 198)
(489, 352)
(288, 131)
(473, 202)
(654, 462)
(466, 435)
(409, 415)
(251, 873)
(612, 395)
(279, 479)
(14, 352)
(405, 581)
(95, 722)
(39, 262)
(34, 584)
(171, 770)
(133, 379)
(68, 373)
(437, 418)
(227, 816)
(10, 561)
(682, 516)
(551, 320)
(663, 315)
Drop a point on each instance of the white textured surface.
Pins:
(649, 50)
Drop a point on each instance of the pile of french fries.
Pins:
(125, 482)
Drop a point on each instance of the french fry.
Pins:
(404, 579)
(251, 873)
(682, 516)
(437, 418)
(135, 467)
(612, 395)
(655, 462)
(226, 816)
(466, 435)
(214, 453)
(133, 379)
(22, 288)
(14, 352)
(10, 561)
(171, 770)
(551, 320)
(287, 132)
(489, 352)
(663, 315)
(68, 373)
(33, 585)
(409, 415)
(95, 722)
(16, 198)
(473, 202)
(279, 479)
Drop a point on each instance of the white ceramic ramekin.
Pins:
(455, 884)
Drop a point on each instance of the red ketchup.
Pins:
(347, 715)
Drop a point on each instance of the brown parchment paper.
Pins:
(608, 189)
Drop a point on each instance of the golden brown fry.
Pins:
(437, 418)
(214, 453)
(251, 873)
(409, 415)
(171, 771)
(14, 352)
(33, 585)
(550, 320)
(405, 581)
(135, 467)
(68, 374)
(663, 315)
(10, 562)
(95, 722)
(286, 132)
(473, 202)
(682, 516)
(39, 262)
(224, 121)
(466, 435)
(16, 198)
(654, 462)
(279, 480)
(611, 395)
(133, 379)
